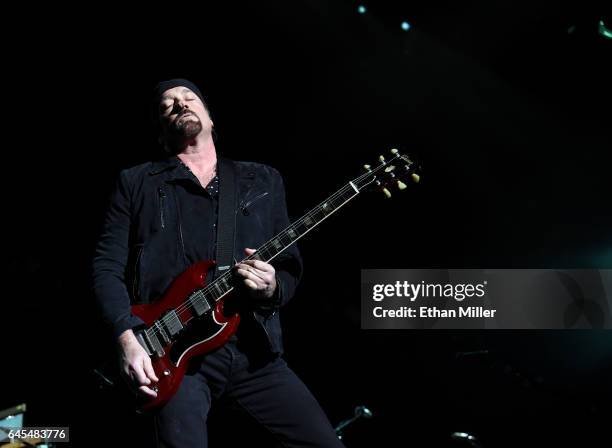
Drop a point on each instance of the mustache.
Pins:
(185, 113)
(177, 124)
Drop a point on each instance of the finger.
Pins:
(139, 375)
(148, 370)
(260, 265)
(251, 284)
(250, 274)
(243, 266)
(243, 272)
(147, 391)
(265, 274)
(249, 251)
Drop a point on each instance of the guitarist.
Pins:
(162, 218)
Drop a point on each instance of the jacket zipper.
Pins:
(243, 208)
(136, 282)
(179, 220)
(162, 199)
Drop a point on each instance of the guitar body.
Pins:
(193, 318)
(203, 334)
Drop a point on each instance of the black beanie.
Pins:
(170, 84)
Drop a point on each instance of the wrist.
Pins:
(126, 337)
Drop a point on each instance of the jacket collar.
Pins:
(175, 169)
(159, 166)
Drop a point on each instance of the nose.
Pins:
(179, 106)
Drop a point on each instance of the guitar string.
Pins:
(268, 244)
(270, 258)
(154, 330)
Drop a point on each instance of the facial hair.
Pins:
(186, 129)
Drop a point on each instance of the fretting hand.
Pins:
(258, 276)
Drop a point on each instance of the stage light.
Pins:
(361, 9)
(405, 26)
(604, 30)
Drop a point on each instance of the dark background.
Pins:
(507, 105)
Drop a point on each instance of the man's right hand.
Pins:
(136, 364)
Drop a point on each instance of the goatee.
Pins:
(187, 128)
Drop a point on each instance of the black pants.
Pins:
(271, 394)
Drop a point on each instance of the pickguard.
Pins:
(197, 332)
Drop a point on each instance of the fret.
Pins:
(288, 236)
(276, 244)
(308, 221)
(210, 293)
(341, 198)
(301, 227)
(257, 255)
(217, 290)
(223, 284)
(320, 214)
(284, 239)
(265, 253)
(327, 208)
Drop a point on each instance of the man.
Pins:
(163, 218)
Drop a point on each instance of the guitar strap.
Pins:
(226, 220)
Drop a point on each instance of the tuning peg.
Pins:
(367, 167)
(382, 159)
(401, 185)
(415, 178)
(395, 152)
(386, 192)
(389, 168)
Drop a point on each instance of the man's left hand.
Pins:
(258, 276)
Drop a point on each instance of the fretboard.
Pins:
(302, 226)
(202, 299)
(268, 251)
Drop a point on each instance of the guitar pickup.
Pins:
(150, 343)
(199, 303)
(171, 323)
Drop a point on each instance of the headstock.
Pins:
(388, 174)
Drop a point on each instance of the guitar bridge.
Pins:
(150, 343)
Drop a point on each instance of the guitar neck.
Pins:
(305, 224)
(273, 247)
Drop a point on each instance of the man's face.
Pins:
(182, 114)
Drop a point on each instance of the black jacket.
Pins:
(142, 248)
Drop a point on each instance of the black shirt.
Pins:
(199, 209)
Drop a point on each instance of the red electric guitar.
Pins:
(188, 320)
